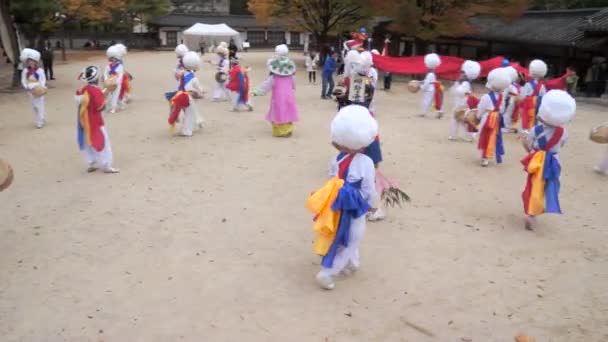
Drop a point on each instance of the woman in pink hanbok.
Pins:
(283, 110)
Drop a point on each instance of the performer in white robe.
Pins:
(114, 69)
(352, 129)
(430, 86)
(460, 91)
(32, 77)
(191, 119)
(532, 93)
(180, 51)
(220, 93)
(510, 101)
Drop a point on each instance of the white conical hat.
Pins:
(29, 54)
(498, 79)
(354, 127)
(557, 108)
(537, 68)
(122, 49)
(191, 61)
(281, 50)
(432, 60)
(471, 69)
(113, 52)
(181, 50)
(512, 73)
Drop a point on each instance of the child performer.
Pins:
(510, 98)
(340, 206)
(360, 87)
(488, 110)
(312, 59)
(93, 137)
(432, 90)
(125, 89)
(283, 110)
(532, 94)
(180, 51)
(33, 77)
(238, 86)
(116, 71)
(184, 99)
(542, 164)
(461, 90)
(220, 92)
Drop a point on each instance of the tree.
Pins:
(92, 11)
(239, 7)
(429, 19)
(319, 17)
(144, 10)
(34, 18)
(8, 36)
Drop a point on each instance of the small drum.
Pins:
(470, 117)
(599, 134)
(196, 95)
(338, 91)
(413, 86)
(459, 115)
(39, 91)
(220, 77)
(110, 83)
(6, 175)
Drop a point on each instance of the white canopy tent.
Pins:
(212, 35)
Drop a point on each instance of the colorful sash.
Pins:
(125, 86)
(530, 105)
(490, 139)
(334, 206)
(541, 194)
(180, 99)
(32, 72)
(516, 105)
(438, 100)
(89, 132)
(113, 68)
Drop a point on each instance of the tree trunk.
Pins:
(8, 35)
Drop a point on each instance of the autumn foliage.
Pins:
(429, 19)
(320, 17)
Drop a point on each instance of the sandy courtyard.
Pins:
(207, 238)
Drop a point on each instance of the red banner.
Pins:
(450, 68)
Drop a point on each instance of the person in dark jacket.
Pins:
(47, 60)
(328, 76)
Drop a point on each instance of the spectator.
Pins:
(47, 60)
(311, 66)
(202, 46)
(232, 49)
(328, 75)
(246, 45)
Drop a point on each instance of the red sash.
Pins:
(529, 107)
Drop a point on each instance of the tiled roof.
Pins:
(558, 28)
(597, 22)
(235, 21)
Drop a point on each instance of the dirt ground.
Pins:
(207, 238)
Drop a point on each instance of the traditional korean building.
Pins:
(188, 13)
(563, 38)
